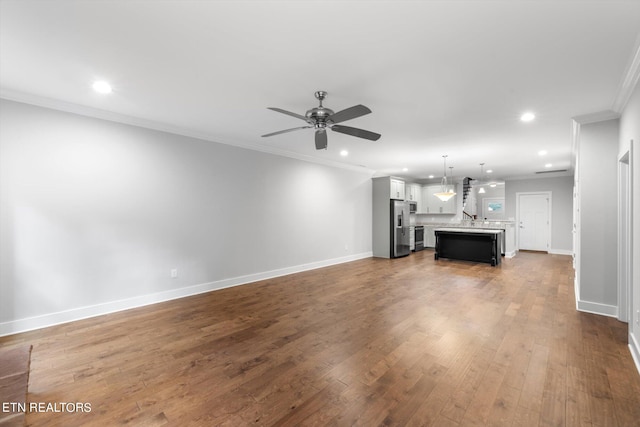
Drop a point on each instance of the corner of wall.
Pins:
(560, 251)
(597, 308)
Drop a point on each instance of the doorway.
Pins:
(534, 220)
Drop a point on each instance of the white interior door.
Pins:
(533, 221)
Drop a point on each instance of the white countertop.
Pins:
(468, 230)
(497, 225)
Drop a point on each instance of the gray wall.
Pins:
(94, 213)
(597, 175)
(561, 207)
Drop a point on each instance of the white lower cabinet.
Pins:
(412, 238)
(429, 236)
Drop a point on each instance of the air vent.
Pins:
(558, 170)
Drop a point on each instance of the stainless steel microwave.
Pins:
(413, 207)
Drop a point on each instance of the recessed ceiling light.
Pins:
(527, 117)
(430, 176)
(542, 153)
(405, 169)
(548, 165)
(102, 87)
(489, 171)
(492, 185)
(344, 153)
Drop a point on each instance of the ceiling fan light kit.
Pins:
(320, 118)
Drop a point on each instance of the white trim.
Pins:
(51, 319)
(549, 195)
(510, 254)
(600, 116)
(625, 263)
(575, 144)
(597, 308)
(634, 348)
(149, 124)
(575, 163)
(560, 251)
(628, 83)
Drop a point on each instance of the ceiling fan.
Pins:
(320, 118)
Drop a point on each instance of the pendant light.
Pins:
(481, 190)
(445, 194)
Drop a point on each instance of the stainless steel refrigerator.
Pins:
(400, 237)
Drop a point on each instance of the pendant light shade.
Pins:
(445, 194)
(481, 190)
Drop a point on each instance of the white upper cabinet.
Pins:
(397, 189)
(413, 192)
(432, 205)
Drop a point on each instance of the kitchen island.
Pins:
(508, 243)
(479, 245)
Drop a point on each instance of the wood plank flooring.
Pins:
(406, 342)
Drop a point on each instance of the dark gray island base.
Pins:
(469, 245)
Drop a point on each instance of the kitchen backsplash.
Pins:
(432, 220)
(437, 219)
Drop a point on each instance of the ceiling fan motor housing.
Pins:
(318, 116)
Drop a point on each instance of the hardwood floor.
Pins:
(406, 342)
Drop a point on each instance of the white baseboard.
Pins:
(597, 308)
(550, 251)
(560, 252)
(51, 319)
(634, 347)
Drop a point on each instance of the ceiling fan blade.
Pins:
(321, 139)
(349, 113)
(286, 130)
(360, 133)
(289, 113)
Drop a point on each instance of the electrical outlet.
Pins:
(638, 317)
(174, 273)
(346, 247)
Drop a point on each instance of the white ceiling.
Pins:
(441, 77)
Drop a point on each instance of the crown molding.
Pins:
(97, 113)
(630, 80)
(548, 175)
(600, 116)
